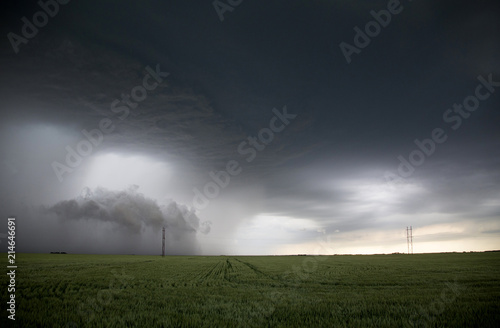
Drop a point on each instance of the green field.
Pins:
(428, 290)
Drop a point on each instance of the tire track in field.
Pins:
(233, 271)
(217, 274)
(259, 272)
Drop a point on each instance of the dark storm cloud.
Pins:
(353, 120)
(173, 120)
(115, 221)
(125, 208)
(455, 187)
(129, 209)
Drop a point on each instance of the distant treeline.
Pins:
(58, 253)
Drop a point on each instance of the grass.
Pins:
(421, 290)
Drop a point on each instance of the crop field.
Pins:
(427, 290)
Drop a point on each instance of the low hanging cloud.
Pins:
(132, 211)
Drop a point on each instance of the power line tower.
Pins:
(163, 242)
(409, 239)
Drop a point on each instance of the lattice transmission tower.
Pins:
(163, 242)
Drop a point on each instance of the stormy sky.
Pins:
(250, 127)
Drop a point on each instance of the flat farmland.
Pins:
(421, 290)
